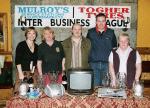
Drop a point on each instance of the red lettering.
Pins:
(108, 10)
(112, 15)
(90, 14)
(90, 10)
(81, 9)
(116, 10)
(120, 15)
(99, 10)
(125, 10)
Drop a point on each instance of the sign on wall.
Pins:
(66, 16)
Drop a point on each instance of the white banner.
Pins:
(66, 16)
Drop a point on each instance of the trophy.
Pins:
(106, 80)
(121, 80)
(138, 89)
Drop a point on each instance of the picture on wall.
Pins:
(3, 31)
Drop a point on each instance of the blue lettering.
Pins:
(22, 9)
(50, 9)
(42, 9)
(66, 9)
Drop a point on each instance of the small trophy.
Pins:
(138, 89)
(121, 80)
(106, 80)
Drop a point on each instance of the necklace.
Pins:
(30, 45)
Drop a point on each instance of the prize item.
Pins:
(121, 80)
(106, 80)
(34, 93)
(138, 89)
(64, 81)
(23, 88)
(30, 82)
(25, 80)
(54, 90)
(112, 93)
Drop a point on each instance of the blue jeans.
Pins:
(100, 70)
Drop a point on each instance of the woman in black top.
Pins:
(26, 55)
(50, 55)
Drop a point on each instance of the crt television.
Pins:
(80, 81)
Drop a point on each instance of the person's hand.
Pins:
(40, 76)
(63, 72)
(21, 76)
(135, 82)
(113, 84)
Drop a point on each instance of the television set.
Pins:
(80, 81)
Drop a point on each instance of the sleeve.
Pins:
(63, 45)
(35, 55)
(88, 35)
(88, 45)
(18, 54)
(111, 57)
(39, 54)
(138, 58)
(114, 40)
(62, 51)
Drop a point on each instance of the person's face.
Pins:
(31, 35)
(48, 36)
(123, 42)
(101, 22)
(77, 30)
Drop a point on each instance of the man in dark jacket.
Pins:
(103, 40)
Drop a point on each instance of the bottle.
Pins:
(64, 81)
(30, 82)
(23, 88)
(25, 80)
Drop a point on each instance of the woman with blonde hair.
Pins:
(125, 62)
(50, 55)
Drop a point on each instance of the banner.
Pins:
(66, 16)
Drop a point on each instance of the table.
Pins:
(76, 101)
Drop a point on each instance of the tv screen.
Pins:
(80, 81)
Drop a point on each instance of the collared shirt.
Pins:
(76, 54)
(51, 56)
(123, 56)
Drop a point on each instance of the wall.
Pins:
(5, 8)
(143, 30)
(63, 33)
